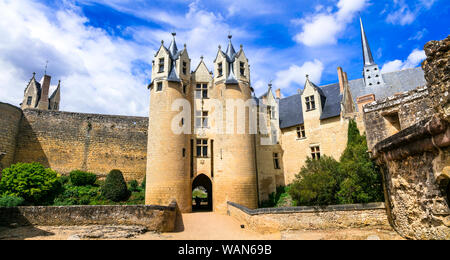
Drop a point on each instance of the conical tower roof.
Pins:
(367, 54)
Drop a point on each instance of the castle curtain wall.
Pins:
(9, 127)
(96, 143)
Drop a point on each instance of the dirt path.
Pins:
(195, 226)
(211, 226)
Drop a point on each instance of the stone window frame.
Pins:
(242, 68)
(159, 87)
(184, 68)
(161, 65)
(201, 91)
(220, 70)
(201, 148)
(276, 161)
(201, 119)
(301, 132)
(310, 103)
(315, 152)
(29, 100)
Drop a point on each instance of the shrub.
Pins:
(317, 183)
(134, 186)
(115, 187)
(280, 198)
(77, 195)
(30, 181)
(11, 201)
(80, 178)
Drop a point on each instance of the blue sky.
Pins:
(102, 49)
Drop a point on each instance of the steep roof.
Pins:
(332, 106)
(291, 112)
(396, 82)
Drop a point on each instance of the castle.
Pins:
(184, 148)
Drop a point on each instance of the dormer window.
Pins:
(242, 66)
(161, 65)
(310, 103)
(184, 68)
(29, 101)
(220, 69)
(375, 69)
(377, 76)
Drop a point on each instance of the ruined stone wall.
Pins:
(95, 143)
(311, 218)
(154, 218)
(386, 117)
(416, 161)
(9, 126)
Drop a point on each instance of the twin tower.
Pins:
(223, 163)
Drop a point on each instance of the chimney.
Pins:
(341, 79)
(345, 78)
(43, 102)
(299, 91)
(278, 93)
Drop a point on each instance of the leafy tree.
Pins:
(115, 187)
(361, 177)
(317, 183)
(30, 181)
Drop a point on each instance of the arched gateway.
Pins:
(202, 184)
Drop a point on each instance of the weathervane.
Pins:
(45, 71)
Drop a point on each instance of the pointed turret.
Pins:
(368, 58)
(230, 50)
(173, 49)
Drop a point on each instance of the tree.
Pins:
(361, 177)
(317, 183)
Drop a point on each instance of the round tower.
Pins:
(167, 178)
(235, 179)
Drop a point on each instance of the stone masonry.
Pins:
(415, 162)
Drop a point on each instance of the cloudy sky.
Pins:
(102, 49)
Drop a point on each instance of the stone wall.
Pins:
(9, 126)
(311, 218)
(386, 117)
(154, 218)
(97, 143)
(416, 161)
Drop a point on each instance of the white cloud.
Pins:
(413, 60)
(294, 77)
(96, 69)
(325, 27)
(406, 12)
(419, 35)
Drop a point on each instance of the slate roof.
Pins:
(332, 106)
(291, 113)
(396, 82)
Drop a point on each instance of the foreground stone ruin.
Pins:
(416, 161)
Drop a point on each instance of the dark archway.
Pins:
(202, 183)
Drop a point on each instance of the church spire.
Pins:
(367, 54)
